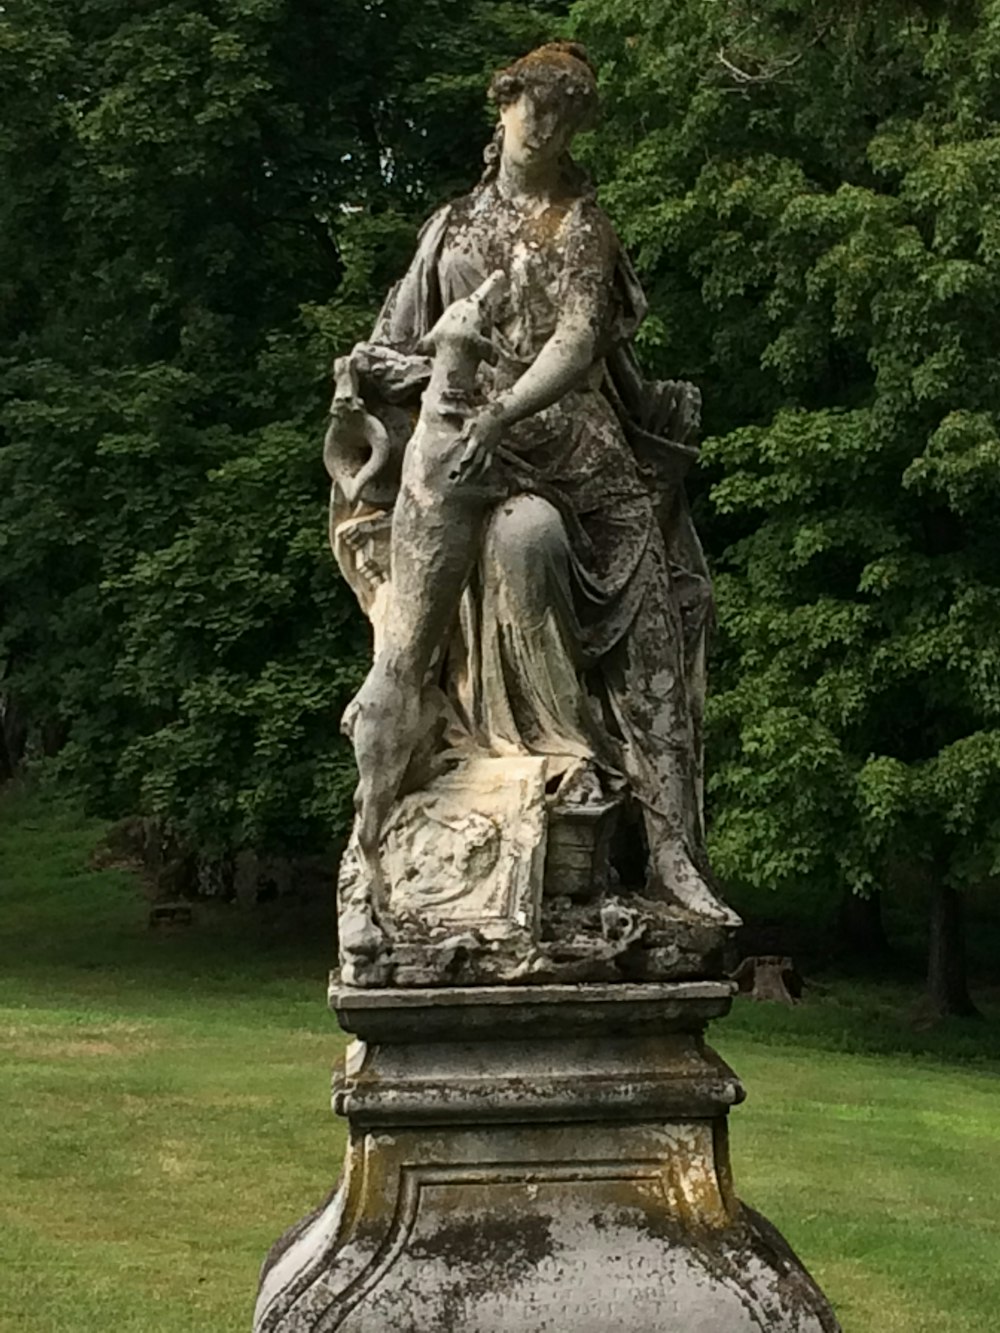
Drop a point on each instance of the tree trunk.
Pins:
(13, 734)
(769, 977)
(947, 980)
(860, 926)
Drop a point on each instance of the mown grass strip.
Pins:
(165, 1105)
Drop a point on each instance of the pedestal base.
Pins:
(536, 1162)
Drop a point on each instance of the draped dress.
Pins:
(580, 635)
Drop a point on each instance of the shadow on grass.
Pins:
(70, 931)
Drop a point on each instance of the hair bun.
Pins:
(559, 69)
(578, 51)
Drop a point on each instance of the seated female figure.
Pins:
(550, 584)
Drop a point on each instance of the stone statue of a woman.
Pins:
(508, 505)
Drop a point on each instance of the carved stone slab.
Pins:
(468, 851)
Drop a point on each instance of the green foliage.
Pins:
(810, 192)
(202, 203)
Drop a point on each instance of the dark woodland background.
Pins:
(200, 203)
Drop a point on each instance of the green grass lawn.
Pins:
(164, 1100)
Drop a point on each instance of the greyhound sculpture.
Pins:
(436, 522)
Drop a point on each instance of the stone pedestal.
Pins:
(536, 1160)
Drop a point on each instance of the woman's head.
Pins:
(544, 98)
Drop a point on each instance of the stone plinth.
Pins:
(539, 1160)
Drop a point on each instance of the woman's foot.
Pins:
(688, 887)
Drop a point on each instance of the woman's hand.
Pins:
(481, 434)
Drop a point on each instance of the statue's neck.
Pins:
(529, 184)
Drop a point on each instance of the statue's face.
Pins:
(535, 132)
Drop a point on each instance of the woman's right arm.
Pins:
(565, 358)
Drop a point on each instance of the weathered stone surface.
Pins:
(613, 937)
(577, 858)
(574, 1176)
(498, 1012)
(507, 504)
(468, 849)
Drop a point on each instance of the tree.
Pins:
(202, 202)
(809, 190)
